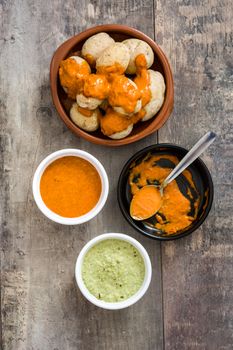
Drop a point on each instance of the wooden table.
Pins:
(189, 303)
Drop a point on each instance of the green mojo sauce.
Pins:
(113, 270)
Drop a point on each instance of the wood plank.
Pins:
(41, 308)
(197, 270)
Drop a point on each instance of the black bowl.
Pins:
(201, 178)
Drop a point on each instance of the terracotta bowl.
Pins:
(63, 104)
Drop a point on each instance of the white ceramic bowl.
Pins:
(36, 186)
(121, 304)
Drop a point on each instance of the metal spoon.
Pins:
(190, 157)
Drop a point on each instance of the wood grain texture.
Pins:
(41, 306)
(197, 270)
(189, 305)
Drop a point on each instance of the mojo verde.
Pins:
(113, 270)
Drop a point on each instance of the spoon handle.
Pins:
(192, 155)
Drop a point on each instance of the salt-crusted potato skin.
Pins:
(137, 47)
(122, 134)
(152, 108)
(157, 83)
(94, 45)
(117, 53)
(157, 88)
(86, 123)
(88, 102)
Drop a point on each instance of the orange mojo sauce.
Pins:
(145, 202)
(113, 69)
(142, 79)
(113, 122)
(70, 186)
(86, 112)
(124, 94)
(97, 86)
(72, 76)
(177, 211)
(109, 83)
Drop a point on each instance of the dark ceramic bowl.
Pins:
(63, 104)
(201, 178)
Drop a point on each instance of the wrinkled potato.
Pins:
(157, 88)
(137, 47)
(122, 134)
(94, 45)
(153, 107)
(114, 59)
(88, 102)
(157, 83)
(86, 123)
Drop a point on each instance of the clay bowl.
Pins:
(63, 104)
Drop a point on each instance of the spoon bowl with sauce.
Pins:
(148, 200)
(188, 197)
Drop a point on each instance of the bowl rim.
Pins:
(50, 159)
(121, 304)
(163, 114)
(126, 214)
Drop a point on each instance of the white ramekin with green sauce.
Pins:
(113, 271)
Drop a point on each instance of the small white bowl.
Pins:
(121, 304)
(60, 154)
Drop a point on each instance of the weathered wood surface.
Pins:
(197, 271)
(189, 304)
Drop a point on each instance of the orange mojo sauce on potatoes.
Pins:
(109, 83)
(70, 186)
(72, 76)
